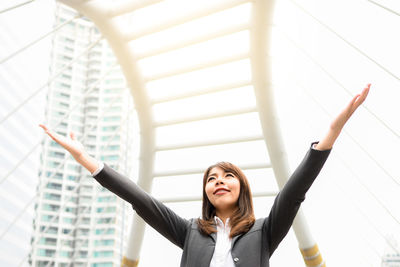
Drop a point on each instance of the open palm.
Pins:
(72, 145)
(345, 115)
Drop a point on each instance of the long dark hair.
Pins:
(243, 218)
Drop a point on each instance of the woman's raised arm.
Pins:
(74, 147)
(338, 123)
(155, 213)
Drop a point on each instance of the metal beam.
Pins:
(113, 9)
(206, 117)
(210, 143)
(16, 6)
(198, 66)
(203, 91)
(201, 170)
(261, 70)
(183, 19)
(16, 52)
(197, 39)
(50, 80)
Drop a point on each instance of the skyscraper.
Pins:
(392, 255)
(77, 222)
(391, 260)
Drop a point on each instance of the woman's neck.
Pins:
(224, 214)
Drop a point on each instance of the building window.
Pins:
(111, 137)
(106, 242)
(70, 188)
(106, 199)
(109, 158)
(112, 118)
(102, 254)
(66, 231)
(105, 231)
(72, 177)
(53, 164)
(50, 207)
(54, 186)
(65, 254)
(44, 264)
(69, 220)
(106, 220)
(49, 230)
(102, 264)
(46, 252)
(53, 175)
(69, 209)
(52, 196)
(83, 254)
(106, 209)
(48, 241)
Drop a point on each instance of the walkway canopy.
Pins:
(216, 80)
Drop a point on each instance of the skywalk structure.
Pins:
(112, 18)
(201, 79)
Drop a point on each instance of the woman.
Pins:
(227, 234)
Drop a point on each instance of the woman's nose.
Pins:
(219, 180)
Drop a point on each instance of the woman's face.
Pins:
(222, 189)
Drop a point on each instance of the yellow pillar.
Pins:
(129, 263)
(312, 257)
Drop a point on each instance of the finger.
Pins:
(47, 130)
(44, 127)
(56, 137)
(363, 95)
(72, 135)
(352, 103)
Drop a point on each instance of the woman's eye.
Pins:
(210, 179)
(230, 175)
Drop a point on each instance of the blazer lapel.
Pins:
(214, 236)
(234, 239)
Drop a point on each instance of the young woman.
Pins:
(228, 234)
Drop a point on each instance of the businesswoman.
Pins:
(227, 234)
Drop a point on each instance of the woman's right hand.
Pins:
(72, 145)
(75, 148)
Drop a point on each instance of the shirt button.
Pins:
(236, 259)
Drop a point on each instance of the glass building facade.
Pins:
(77, 222)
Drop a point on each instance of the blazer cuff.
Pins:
(314, 144)
(99, 169)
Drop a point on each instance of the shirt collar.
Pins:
(220, 223)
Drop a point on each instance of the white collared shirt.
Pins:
(222, 256)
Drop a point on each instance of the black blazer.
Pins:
(251, 249)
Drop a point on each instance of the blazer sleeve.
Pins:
(152, 211)
(288, 201)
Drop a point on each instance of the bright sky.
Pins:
(353, 205)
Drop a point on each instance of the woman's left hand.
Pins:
(339, 122)
(345, 115)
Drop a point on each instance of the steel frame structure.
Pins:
(103, 14)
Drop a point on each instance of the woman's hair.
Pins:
(243, 218)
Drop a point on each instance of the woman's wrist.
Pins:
(90, 163)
